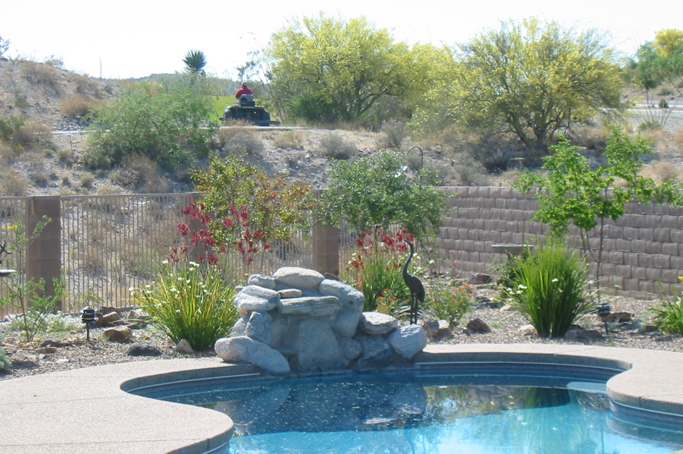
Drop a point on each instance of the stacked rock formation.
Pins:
(298, 320)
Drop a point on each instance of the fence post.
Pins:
(326, 249)
(43, 254)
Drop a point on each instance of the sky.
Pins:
(127, 38)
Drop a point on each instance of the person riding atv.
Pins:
(245, 96)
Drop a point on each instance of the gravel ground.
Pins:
(507, 326)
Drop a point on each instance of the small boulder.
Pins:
(242, 348)
(376, 352)
(143, 350)
(290, 293)
(437, 329)
(317, 347)
(262, 280)
(46, 350)
(480, 279)
(312, 306)
(408, 341)
(376, 323)
(527, 330)
(619, 317)
(350, 347)
(121, 334)
(302, 278)
(477, 326)
(138, 314)
(579, 334)
(253, 298)
(259, 327)
(108, 319)
(183, 346)
(345, 293)
(239, 328)
(346, 323)
(507, 308)
(55, 343)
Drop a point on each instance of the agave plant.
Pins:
(195, 61)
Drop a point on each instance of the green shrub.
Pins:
(669, 316)
(240, 142)
(394, 132)
(190, 302)
(289, 140)
(333, 146)
(168, 124)
(37, 308)
(549, 289)
(449, 302)
(5, 363)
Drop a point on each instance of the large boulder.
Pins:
(253, 298)
(295, 277)
(317, 347)
(121, 334)
(312, 306)
(262, 281)
(240, 327)
(260, 327)
(346, 323)
(345, 293)
(376, 352)
(351, 348)
(242, 348)
(408, 341)
(376, 323)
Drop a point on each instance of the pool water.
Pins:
(377, 413)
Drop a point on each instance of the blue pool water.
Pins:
(394, 413)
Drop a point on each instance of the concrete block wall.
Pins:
(643, 251)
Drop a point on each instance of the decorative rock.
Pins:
(507, 308)
(317, 347)
(55, 343)
(255, 298)
(579, 334)
(376, 323)
(138, 314)
(262, 281)
(119, 334)
(350, 347)
(346, 323)
(143, 350)
(25, 361)
(240, 327)
(259, 327)
(290, 293)
(527, 330)
(184, 346)
(242, 348)
(619, 317)
(437, 329)
(409, 340)
(313, 306)
(480, 279)
(303, 278)
(376, 352)
(47, 350)
(477, 326)
(345, 293)
(108, 319)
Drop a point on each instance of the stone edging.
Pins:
(89, 411)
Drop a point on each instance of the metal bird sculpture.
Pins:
(417, 290)
(3, 250)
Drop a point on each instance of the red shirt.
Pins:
(243, 91)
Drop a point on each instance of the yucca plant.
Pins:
(669, 316)
(195, 61)
(549, 288)
(190, 302)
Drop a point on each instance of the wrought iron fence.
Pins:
(12, 218)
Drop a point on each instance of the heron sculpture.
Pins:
(3, 250)
(417, 290)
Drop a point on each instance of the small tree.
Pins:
(195, 62)
(573, 192)
(378, 191)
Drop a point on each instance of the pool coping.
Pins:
(87, 411)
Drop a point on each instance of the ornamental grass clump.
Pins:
(191, 302)
(549, 288)
(669, 316)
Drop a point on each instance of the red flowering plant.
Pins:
(376, 268)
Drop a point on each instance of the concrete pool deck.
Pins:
(87, 411)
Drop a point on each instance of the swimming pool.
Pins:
(438, 409)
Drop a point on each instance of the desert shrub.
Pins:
(649, 125)
(393, 134)
(43, 75)
(590, 137)
(87, 181)
(140, 173)
(13, 183)
(662, 172)
(77, 106)
(549, 288)
(168, 124)
(66, 157)
(22, 134)
(467, 171)
(449, 302)
(5, 363)
(34, 303)
(86, 86)
(378, 190)
(289, 140)
(375, 269)
(39, 175)
(334, 146)
(668, 317)
(190, 302)
(240, 142)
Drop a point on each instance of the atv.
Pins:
(246, 110)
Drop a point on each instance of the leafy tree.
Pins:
(195, 61)
(170, 124)
(533, 79)
(573, 192)
(378, 191)
(669, 43)
(329, 70)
